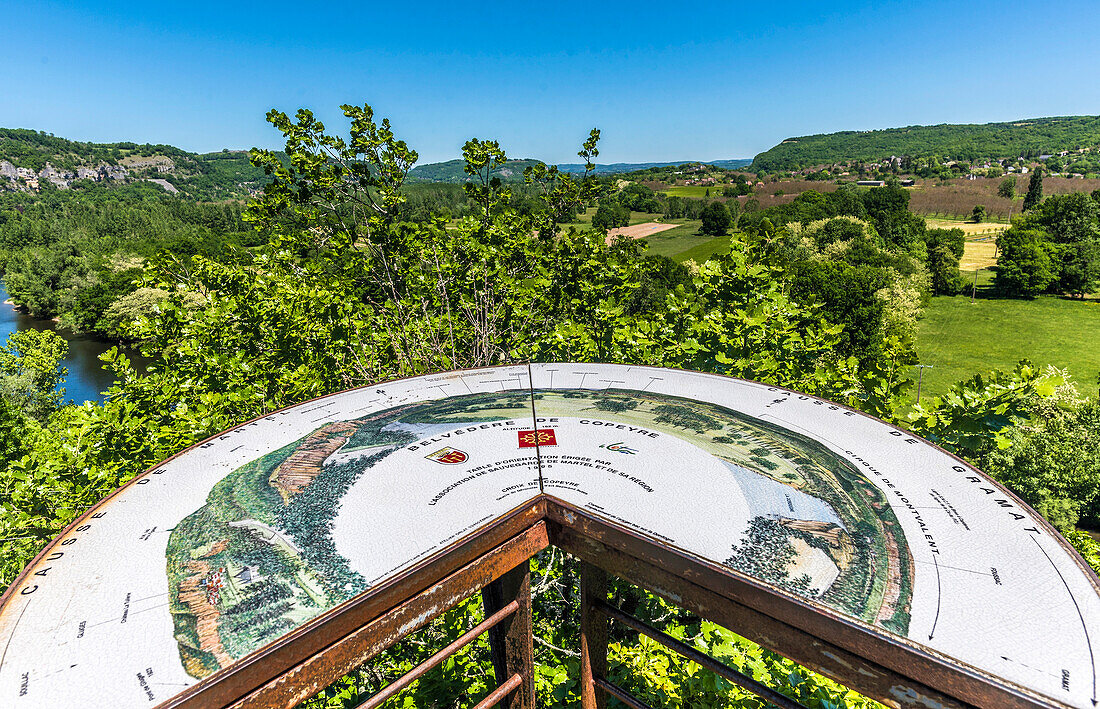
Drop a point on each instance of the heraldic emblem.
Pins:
(448, 456)
(539, 437)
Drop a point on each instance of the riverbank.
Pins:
(87, 379)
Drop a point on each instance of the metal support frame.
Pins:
(495, 561)
(704, 660)
(511, 641)
(490, 623)
(593, 635)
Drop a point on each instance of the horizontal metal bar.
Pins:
(417, 672)
(619, 693)
(509, 686)
(738, 678)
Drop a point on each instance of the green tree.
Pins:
(849, 296)
(1007, 187)
(1053, 463)
(674, 207)
(1071, 224)
(943, 266)
(1024, 267)
(31, 372)
(1034, 190)
(609, 216)
(716, 219)
(978, 215)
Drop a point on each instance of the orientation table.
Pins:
(241, 540)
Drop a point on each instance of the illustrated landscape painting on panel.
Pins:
(259, 558)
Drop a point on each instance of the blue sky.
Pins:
(664, 81)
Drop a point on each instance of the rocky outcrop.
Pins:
(304, 464)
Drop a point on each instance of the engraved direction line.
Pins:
(1080, 615)
(12, 635)
(535, 426)
(651, 380)
(583, 375)
(1033, 669)
(939, 596)
(131, 613)
(55, 672)
(956, 568)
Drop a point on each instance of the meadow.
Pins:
(693, 191)
(960, 338)
(957, 336)
(674, 242)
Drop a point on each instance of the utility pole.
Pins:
(920, 378)
(974, 288)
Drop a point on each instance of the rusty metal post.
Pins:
(593, 636)
(510, 642)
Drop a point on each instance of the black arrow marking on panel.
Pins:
(1033, 669)
(939, 595)
(958, 568)
(1088, 640)
(51, 674)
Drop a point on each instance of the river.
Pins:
(87, 379)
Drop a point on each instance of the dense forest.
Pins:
(79, 255)
(1027, 138)
(339, 275)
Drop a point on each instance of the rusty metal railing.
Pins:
(507, 603)
(739, 678)
(496, 563)
(424, 667)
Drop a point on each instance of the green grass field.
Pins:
(701, 252)
(961, 339)
(694, 191)
(585, 218)
(673, 242)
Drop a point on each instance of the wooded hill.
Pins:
(452, 170)
(228, 173)
(221, 175)
(1028, 138)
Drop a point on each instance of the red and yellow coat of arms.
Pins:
(538, 437)
(448, 456)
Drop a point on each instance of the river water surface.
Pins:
(87, 379)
